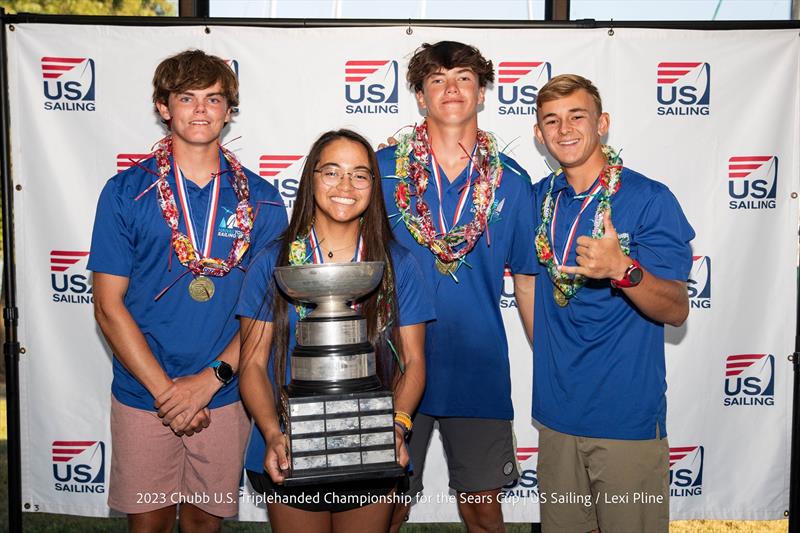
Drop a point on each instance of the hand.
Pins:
(179, 404)
(390, 141)
(276, 461)
(600, 258)
(200, 421)
(400, 447)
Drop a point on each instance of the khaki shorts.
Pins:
(618, 486)
(152, 468)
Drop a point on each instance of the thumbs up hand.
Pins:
(600, 258)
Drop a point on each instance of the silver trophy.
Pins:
(339, 418)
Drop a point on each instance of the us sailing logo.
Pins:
(370, 86)
(686, 471)
(518, 84)
(683, 88)
(752, 181)
(68, 83)
(79, 466)
(283, 172)
(749, 379)
(70, 286)
(507, 297)
(699, 284)
(126, 161)
(527, 486)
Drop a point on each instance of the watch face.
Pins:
(224, 371)
(635, 276)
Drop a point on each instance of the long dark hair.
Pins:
(380, 307)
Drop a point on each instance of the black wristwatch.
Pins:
(223, 371)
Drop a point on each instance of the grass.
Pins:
(52, 523)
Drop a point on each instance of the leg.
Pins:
(286, 519)
(481, 511)
(193, 519)
(481, 459)
(630, 481)
(418, 449)
(373, 518)
(564, 494)
(158, 521)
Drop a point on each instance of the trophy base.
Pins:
(344, 473)
(340, 437)
(299, 388)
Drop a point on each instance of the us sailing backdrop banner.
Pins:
(714, 115)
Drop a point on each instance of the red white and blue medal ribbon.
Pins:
(202, 248)
(316, 253)
(316, 249)
(571, 235)
(462, 201)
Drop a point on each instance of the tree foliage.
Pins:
(91, 7)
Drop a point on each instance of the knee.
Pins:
(483, 517)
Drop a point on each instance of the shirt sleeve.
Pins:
(271, 219)
(256, 295)
(112, 238)
(414, 304)
(661, 242)
(522, 254)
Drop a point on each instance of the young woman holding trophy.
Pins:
(339, 217)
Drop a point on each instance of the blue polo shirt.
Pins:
(466, 349)
(131, 239)
(255, 301)
(598, 362)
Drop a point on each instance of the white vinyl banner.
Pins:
(714, 115)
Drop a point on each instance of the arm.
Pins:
(257, 393)
(123, 334)
(523, 290)
(189, 395)
(409, 386)
(659, 299)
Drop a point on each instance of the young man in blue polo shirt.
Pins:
(465, 211)
(171, 237)
(614, 254)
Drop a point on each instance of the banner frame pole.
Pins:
(11, 346)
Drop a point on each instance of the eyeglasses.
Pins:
(332, 176)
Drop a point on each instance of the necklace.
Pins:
(198, 262)
(565, 287)
(413, 152)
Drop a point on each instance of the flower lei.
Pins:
(610, 181)
(411, 172)
(187, 255)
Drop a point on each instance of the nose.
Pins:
(564, 128)
(346, 183)
(451, 86)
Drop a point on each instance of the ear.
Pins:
(538, 134)
(603, 123)
(163, 110)
(421, 100)
(481, 95)
(228, 114)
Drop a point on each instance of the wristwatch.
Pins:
(223, 371)
(633, 276)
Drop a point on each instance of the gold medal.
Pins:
(559, 296)
(201, 289)
(446, 269)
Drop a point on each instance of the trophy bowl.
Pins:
(330, 285)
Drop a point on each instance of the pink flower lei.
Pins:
(187, 255)
(413, 181)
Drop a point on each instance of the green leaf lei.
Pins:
(610, 180)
